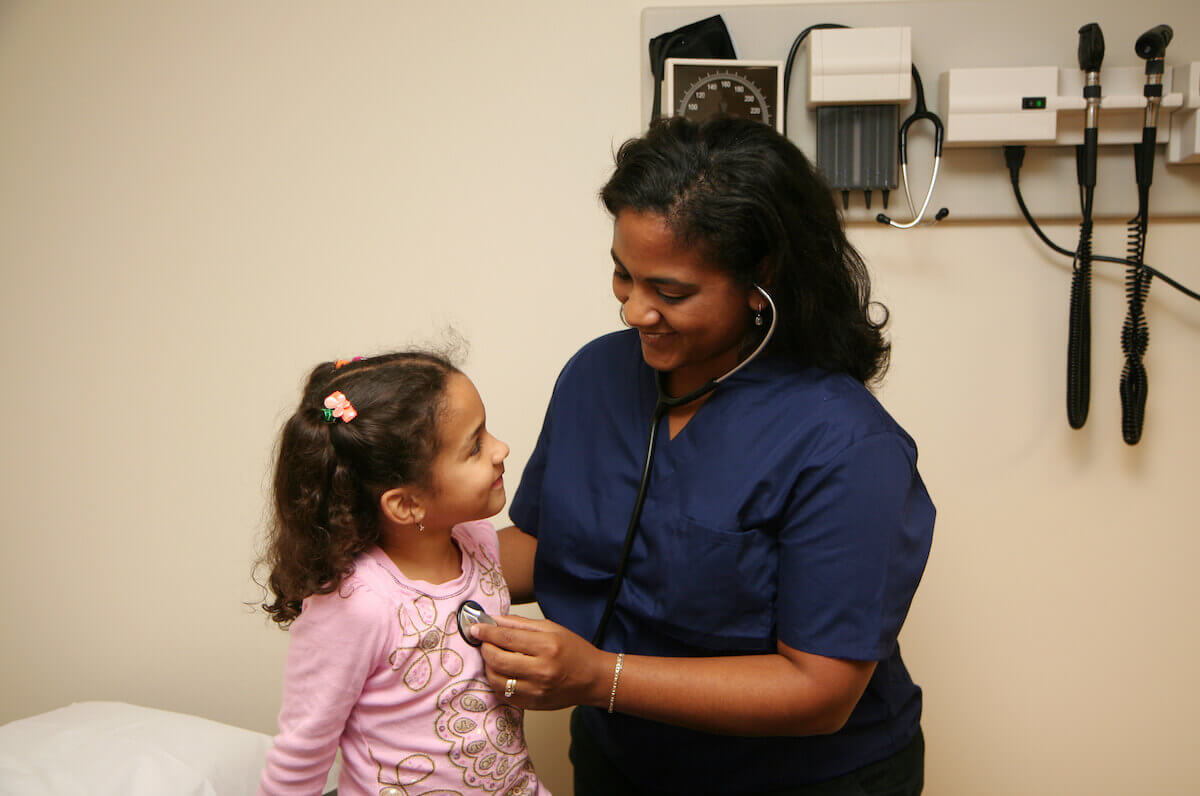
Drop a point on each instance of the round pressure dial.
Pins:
(700, 89)
(724, 93)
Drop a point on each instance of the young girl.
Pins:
(385, 476)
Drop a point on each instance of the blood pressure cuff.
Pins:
(708, 38)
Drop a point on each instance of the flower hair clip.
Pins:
(338, 405)
(341, 363)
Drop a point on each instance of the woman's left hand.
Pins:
(553, 667)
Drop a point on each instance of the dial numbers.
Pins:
(700, 89)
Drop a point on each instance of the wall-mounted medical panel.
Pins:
(1044, 106)
(1036, 44)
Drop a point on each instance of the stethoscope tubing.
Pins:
(662, 405)
(939, 134)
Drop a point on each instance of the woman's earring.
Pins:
(420, 528)
(621, 314)
(758, 321)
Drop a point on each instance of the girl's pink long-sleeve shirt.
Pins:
(379, 668)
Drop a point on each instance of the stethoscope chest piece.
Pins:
(472, 613)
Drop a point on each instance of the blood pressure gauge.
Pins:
(699, 88)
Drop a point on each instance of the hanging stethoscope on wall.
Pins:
(471, 612)
(920, 113)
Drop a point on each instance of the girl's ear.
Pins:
(403, 505)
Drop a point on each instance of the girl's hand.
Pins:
(553, 667)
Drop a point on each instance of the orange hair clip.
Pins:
(338, 405)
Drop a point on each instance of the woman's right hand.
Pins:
(553, 667)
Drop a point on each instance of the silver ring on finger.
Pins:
(510, 687)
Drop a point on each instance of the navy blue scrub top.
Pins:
(789, 508)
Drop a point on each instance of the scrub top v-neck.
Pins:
(788, 508)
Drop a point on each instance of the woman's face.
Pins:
(691, 315)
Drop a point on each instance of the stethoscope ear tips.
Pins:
(941, 214)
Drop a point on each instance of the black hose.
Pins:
(1096, 258)
(791, 60)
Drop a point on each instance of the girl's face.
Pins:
(691, 315)
(468, 469)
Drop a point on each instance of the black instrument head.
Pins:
(1091, 47)
(1153, 43)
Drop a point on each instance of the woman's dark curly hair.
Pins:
(329, 475)
(754, 206)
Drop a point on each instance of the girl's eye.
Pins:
(669, 298)
(477, 448)
(621, 275)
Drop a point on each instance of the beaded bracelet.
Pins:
(612, 697)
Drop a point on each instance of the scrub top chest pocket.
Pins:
(717, 587)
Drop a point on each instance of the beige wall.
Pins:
(199, 200)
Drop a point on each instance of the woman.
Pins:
(752, 646)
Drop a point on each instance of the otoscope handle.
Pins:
(1143, 157)
(1091, 47)
(1085, 158)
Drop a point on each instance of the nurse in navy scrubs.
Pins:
(752, 648)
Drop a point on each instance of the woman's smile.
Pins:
(654, 338)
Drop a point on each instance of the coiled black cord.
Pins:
(1014, 155)
(1135, 335)
(1079, 335)
(1135, 332)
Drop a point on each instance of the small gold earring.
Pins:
(420, 528)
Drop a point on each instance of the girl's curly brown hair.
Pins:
(329, 475)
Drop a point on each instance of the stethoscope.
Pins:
(664, 404)
(922, 113)
(470, 612)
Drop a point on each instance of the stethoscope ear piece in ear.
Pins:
(472, 613)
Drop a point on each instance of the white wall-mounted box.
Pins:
(986, 106)
(1184, 146)
(859, 66)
